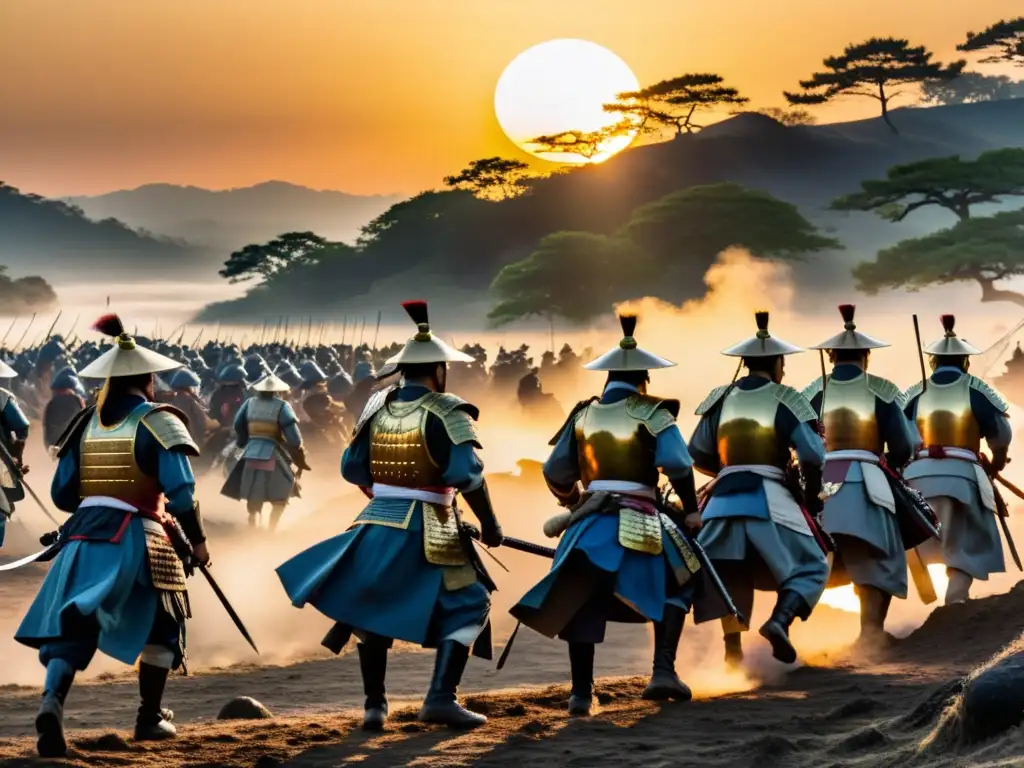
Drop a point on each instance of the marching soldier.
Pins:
(117, 584)
(268, 431)
(622, 556)
(953, 413)
(403, 571)
(229, 395)
(14, 430)
(757, 527)
(864, 425)
(67, 399)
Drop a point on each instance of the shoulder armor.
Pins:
(458, 416)
(812, 389)
(884, 390)
(990, 393)
(169, 426)
(73, 431)
(576, 411)
(914, 390)
(709, 402)
(656, 414)
(376, 401)
(798, 405)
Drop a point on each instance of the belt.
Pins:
(764, 470)
(442, 496)
(852, 454)
(940, 452)
(627, 487)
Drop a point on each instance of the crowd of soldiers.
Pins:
(850, 480)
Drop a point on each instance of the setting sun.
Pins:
(560, 86)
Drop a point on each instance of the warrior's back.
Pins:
(616, 441)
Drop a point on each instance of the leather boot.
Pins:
(733, 650)
(665, 683)
(373, 663)
(442, 705)
(153, 722)
(959, 588)
(581, 664)
(776, 630)
(50, 718)
(874, 607)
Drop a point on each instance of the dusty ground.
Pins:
(833, 710)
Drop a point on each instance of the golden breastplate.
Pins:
(849, 416)
(399, 454)
(945, 418)
(746, 428)
(109, 467)
(612, 445)
(262, 418)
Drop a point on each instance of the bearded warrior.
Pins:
(622, 556)
(405, 569)
(116, 583)
(866, 432)
(757, 524)
(954, 411)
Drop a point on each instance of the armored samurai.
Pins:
(622, 554)
(406, 569)
(758, 525)
(116, 583)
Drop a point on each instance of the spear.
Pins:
(277, 330)
(362, 331)
(74, 324)
(284, 338)
(25, 332)
(320, 337)
(377, 332)
(198, 335)
(50, 332)
(217, 337)
(182, 334)
(9, 330)
(263, 333)
(344, 330)
(309, 330)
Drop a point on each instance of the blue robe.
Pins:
(594, 579)
(98, 593)
(375, 578)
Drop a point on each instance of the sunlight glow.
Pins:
(561, 86)
(845, 599)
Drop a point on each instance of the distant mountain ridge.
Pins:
(228, 219)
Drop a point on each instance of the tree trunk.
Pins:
(989, 293)
(885, 107)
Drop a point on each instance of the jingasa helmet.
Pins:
(425, 347)
(763, 344)
(627, 356)
(950, 344)
(850, 338)
(125, 358)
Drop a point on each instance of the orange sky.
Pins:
(367, 95)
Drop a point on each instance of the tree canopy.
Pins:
(495, 178)
(970, 88)
(663, 251)
(945, 182)
(673, 102)
(1003, 42)
(269, 259)
(871, 69)
(585, 144)
(575, 275)
(984, 250)
(788, 117)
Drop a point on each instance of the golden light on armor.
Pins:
(845, 598)
(560, 86)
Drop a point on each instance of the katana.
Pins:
(188, 555)
(519, 545)
(1002, 513)
(5, 455)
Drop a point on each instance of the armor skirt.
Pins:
(376, 578)
(108, 583)
(871, 551)
(259, 485)
(758, 554)
(970, 536)
(595, 579)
